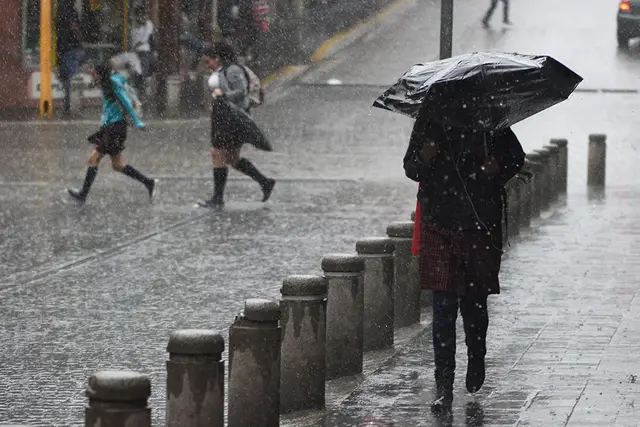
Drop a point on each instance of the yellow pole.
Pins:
(46, 92)
(125, 25)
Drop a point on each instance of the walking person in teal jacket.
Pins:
(110, 139)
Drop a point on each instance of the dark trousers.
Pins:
(69, 64)
(475, 319)
(492, 8)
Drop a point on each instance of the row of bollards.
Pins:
(281, 353)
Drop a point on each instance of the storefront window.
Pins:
(101, 22)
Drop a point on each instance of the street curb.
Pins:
(284, 75)
(333, 45)
(351, 35)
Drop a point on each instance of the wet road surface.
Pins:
(102, 285)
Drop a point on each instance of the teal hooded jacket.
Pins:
(114, 110)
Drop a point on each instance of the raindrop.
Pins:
(487, 248)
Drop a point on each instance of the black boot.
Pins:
(441, 405)
(219, 183)
(81, 195)
(247, 168)
(475, 373)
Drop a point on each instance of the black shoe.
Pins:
(151, 188)
(77, 195)
(475, 374)
(441, 405)
(507, 22)
(212, 203)
(268, 189)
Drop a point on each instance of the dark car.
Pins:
(628, 21)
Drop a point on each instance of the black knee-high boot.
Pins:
(219, 183)
(247, 168)
(81, 195)
(132, 172)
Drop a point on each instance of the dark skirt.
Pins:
(223, 136)
(109, 140)
(464, 263)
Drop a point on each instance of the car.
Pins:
(628, 22)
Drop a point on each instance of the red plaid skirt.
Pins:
(463, 263)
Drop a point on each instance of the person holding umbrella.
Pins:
(462, 152)
(461, 204)
(231, 126)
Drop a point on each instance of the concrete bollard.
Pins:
(118, 398)
(345, 314)
(554, 168)
(596, 169)
(545, 160)
(195, 379)
(537, 190)
(406, 276)
(563, 164)
(413, 216)
(378, 292)
(254, 365)
(525, 186)
(303, 364)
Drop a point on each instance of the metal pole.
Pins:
(46, 95)
(125, 25)
(446, 29)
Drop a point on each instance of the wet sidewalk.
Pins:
(563, 341)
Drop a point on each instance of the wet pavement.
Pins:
(101, 286)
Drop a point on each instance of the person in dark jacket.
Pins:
(229, 81)
(111, 136)
(462, 174)
(69, 50)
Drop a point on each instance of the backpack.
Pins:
(254, 86)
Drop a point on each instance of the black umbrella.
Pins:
(234, 124)
(485, 91)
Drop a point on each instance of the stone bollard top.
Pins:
(552, 148)
(375, 246)
(559, 142)
(544, 153)
(304, 285)
(119, 386)
(342, 263)
(261, 310)
(598, 138)
(401, 230)
(195, 342)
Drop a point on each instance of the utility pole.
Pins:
(446, 29)
(168, 49)
(46, 92)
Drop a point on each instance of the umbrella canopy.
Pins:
(234, 124)
(486, 91)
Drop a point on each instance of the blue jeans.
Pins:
(68, 66)
(476, 322)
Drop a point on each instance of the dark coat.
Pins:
(455, 193)
(462, 206)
